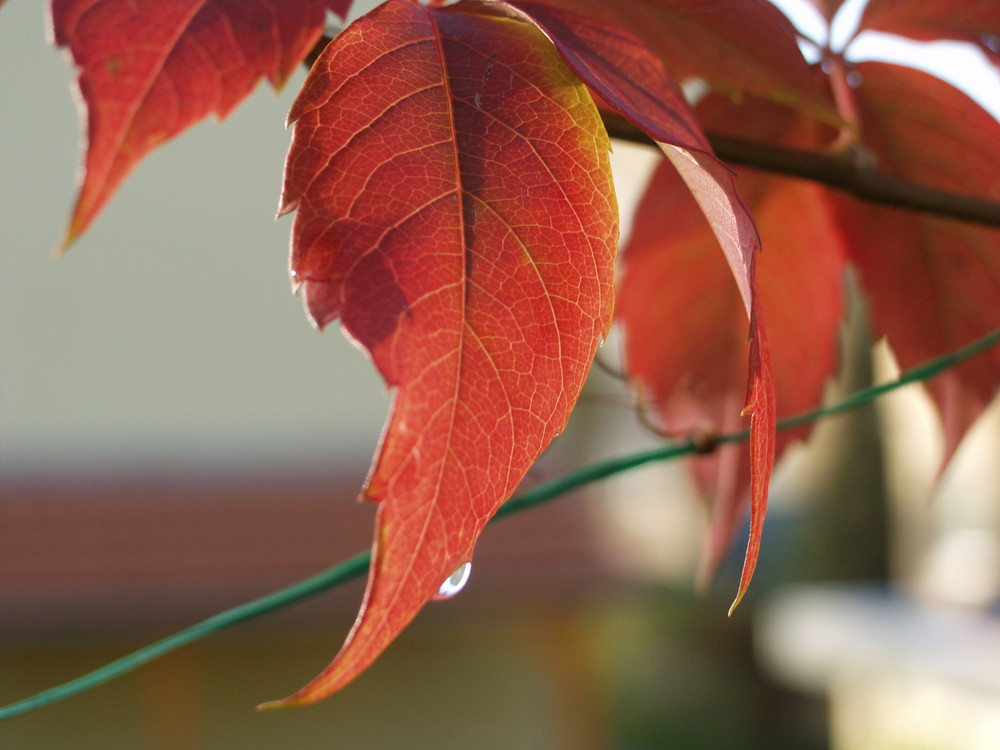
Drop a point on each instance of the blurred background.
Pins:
(175, 440)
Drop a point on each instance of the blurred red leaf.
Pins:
(626, 75)
(455, 209)
(629, 78)
(686, 335)
(622, 70)
(934, 283)
(975, 21)
(744, 46)
(150, 70)
(692, 372)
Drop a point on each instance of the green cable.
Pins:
(340, 573)
(355, 566)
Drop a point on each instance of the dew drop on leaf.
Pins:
(455, 582)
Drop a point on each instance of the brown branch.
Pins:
(836, 171)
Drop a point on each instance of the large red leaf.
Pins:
(744, 46)
(934, 283)
(456, 212)
(151, 69)
(686, 334)
(975, 21)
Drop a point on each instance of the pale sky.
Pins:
(962, 65)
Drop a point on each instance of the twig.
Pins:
(837, 171)
(354, 567)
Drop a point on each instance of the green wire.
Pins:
(344, 571)
(354, 567)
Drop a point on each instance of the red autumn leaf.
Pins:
(623, 71)
(729, 226)
(801, 291)
(151, 69)
(455, 210)
(620, 68)
(975, 21)
(760, 407)
(763, 121)
(934, 283)
(692, 372)
(686, 334)
(628, 77)
(743, 46)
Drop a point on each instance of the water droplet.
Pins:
(990, 41)
(455, 582)
(854, 79)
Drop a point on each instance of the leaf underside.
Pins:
(693, 375)
(622, 70)
(735, 46)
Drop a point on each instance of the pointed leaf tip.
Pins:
(68, 240)
(736, 601)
